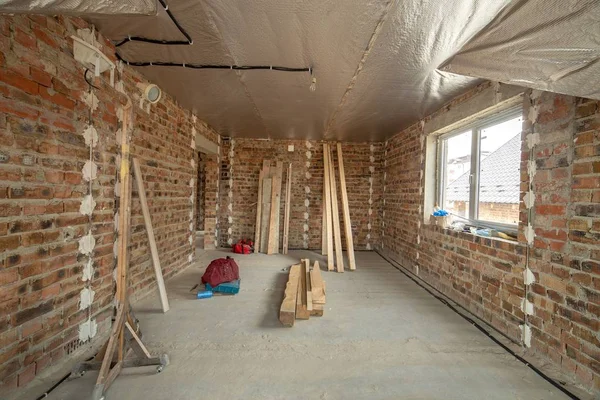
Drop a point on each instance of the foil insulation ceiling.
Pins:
(79, 7)
(551, 45)
(378, 64)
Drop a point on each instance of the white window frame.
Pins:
(475, 128)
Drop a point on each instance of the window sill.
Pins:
(506, 244)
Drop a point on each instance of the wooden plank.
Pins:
(287, 312)
(346, 211)
(110, 348)
(138, 340)
(257, 226)
(324, 225)
(273, 246)
(328, 228)
(309, 301)
(317, 285)
(265, 215)
(317, 310)
(288, 199)
(124, 208)
(301, 307)
(339, 257)
(150, 232)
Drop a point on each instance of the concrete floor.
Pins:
(382, 337)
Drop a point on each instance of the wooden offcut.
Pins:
(339, 258)
(317, 285)
(288, 199)
(162, 291)
(346, 211)
(301, 300)
(287, 312)
(328, 216)
(309, 301)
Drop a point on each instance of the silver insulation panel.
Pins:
(79, 7)
(380, 66)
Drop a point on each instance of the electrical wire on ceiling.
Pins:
(188, 42)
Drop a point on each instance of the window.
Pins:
(479, 171)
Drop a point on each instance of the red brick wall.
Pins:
(486, 275)
(42, 152)
(307, 185)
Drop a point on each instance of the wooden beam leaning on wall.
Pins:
(257, 226)
(265, 207)
(288, 199)
(273, 241)
(346, 211)
(339, 257)
(162, 291)
(328, 222)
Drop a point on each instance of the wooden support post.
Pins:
(346, 211)
(288, 199)
(339, 257)
(287, 312)
(257, 229)
(151, 240)
(328, 216)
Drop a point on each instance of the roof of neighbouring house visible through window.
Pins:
(499, 178)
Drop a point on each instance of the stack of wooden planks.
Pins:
(304, 293)
(331, 232)
(266, 237)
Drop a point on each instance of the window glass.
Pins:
(499, 172)
(457, 167)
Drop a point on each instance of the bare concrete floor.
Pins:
(382, 337)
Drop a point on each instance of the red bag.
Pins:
(243, 247)
(221, 270)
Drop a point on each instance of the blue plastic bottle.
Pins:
(205, 294)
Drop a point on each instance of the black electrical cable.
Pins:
(189, 41)
(480, 328)
(212, 66)
(158, 41)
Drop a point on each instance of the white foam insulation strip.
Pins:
(544, 44)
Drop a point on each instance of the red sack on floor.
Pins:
(243, 247)
(221, 270)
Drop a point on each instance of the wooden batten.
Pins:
(339, 258)
(346, 211)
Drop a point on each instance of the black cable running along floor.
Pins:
(418, 281)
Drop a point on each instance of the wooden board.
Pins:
(287, 312)
(339, 257)
(324, 225)
(328, 216)
(317, 285)
(346, 211)
(162, 291)
(309, 302)
(257, 229)
(288, 199)
(301, 307)
(273, 244)
(265, 215)
(317, 310)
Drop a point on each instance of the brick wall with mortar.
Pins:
(486, 275)
(42, 152)
(362, 163)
